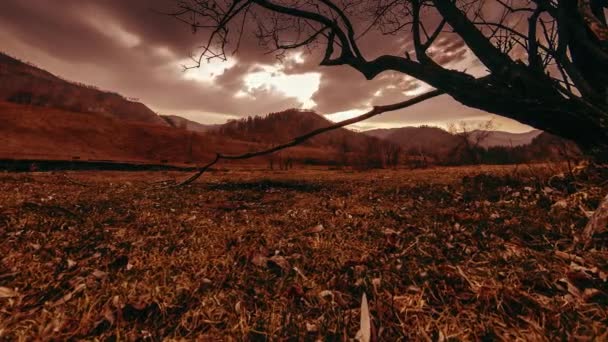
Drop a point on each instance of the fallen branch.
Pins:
(377, 110)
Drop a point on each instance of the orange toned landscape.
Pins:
(464, 253)
(266, 170)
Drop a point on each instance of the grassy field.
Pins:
(472, 253)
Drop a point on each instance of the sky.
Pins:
(132, 48)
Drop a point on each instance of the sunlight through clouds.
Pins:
(299, 86)
(345, 115)
(207, 71)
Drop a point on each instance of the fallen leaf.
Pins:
(365, 332)
(326, 293)
(99, 274)
(5, 292)
(70, 295)
(314, 230)
(259, 260)
(311, 328)
(281, 262)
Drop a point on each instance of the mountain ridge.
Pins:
(25, 83)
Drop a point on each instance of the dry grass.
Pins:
(253, 256)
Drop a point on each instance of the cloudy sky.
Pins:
(128, 47)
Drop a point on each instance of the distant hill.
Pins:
(340, 146)
(280, 127)
(31, 132)
(45, 117)
(381, 133)
(189, 125)
(414, 140)
(24, 83)
(428, 137)
(507, 139)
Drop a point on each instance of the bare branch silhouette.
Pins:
(376, 110)
(547, 60)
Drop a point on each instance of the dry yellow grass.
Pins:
(251, 255)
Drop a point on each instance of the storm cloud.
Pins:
(132, 48)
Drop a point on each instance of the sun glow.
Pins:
(300, 86)
(207, 71)
(345, 115)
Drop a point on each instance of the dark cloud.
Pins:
(130, 47)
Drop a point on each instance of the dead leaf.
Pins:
(590, 294)
(281, 262)
(314, 230)
(5, 292)
(70, 295)
(326, 294)
(311, 328)
(99, 274)
(365, 332)
(259, 260)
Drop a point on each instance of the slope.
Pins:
(24, 83)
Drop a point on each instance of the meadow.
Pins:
(463, 253)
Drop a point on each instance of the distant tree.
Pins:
(371, 157)
(392, 154)
(546, 60)
(343, 151)
(22, 97)
(469, 149)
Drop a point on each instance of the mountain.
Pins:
(432, 138)
(189, 125)
(23, 83)
(414, 140)
(281, 127)
(31, 132)
(340, 146)
(381, 133)
(47, 118)
(507, 139)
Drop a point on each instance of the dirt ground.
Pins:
(471, 253)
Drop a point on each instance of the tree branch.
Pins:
(487, 53)
(377, 110)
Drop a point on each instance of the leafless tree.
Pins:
(392, 153)
(471, 138)
(546, 60)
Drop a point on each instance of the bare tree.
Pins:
(546, 60)
(471, 139)
(343, 152)
(392, 153)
